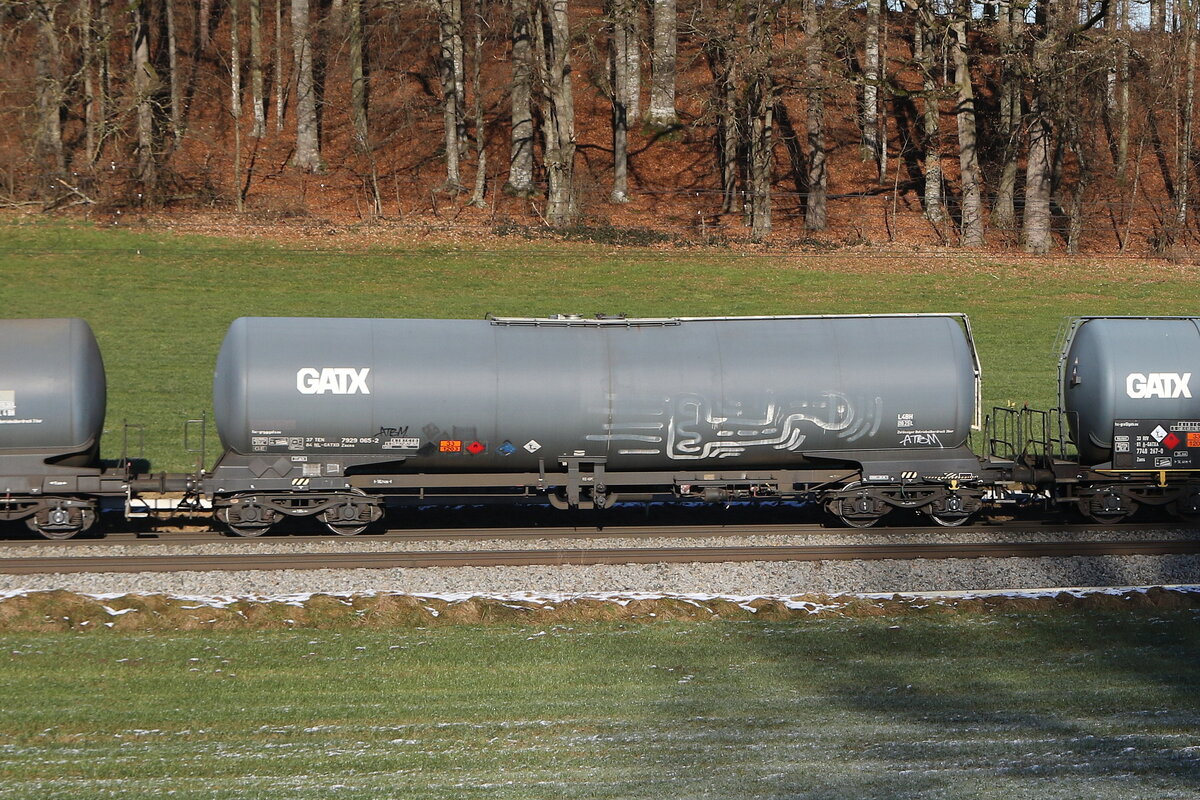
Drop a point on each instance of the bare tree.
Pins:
(48, 145)
(968, 143)
(450, 43)
(235, 99)
(619, 12)
(760, 98)
(358, 77)
(662, 113)
(91, 99)
(520, 164)
(717, 35)
(277, 66)
(558, 109)
(1186, 114)
(257, 100)
(815, 218)
(145, 84)
(924, 48)
(308, 147)
(870, 94)
(173, 68)
(1012, 34)
(480, 22)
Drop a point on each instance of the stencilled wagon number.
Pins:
(359, 440)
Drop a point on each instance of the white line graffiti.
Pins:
(696, 430)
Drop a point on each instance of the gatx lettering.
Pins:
(1166, 385)
(332, 380)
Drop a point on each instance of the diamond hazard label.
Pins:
(533, 445)
(475, 448)
(1158, 433)
(1170, 441)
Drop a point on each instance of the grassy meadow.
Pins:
(1097, 704)
(1019, 705)
(160, 302)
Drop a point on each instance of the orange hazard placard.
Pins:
(1193, 440)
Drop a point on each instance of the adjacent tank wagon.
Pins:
(1129, 390)
(52, 403)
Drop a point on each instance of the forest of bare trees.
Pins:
(1044, 125)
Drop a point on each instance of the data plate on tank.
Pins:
(1156, 444)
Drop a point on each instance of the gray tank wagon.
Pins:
(1130, 389)
(325, 416)
(52, 403)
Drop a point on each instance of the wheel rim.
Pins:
(949, 520)
(248, 531)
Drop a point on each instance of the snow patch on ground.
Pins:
(553, 599)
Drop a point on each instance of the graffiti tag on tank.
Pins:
(690, 427)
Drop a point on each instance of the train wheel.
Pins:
(1107, 508)
(857, 507)
(952, 510)
(247, 519)
(351, 517)
(61, 522)
(1187, 506)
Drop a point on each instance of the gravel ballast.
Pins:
(785, 578)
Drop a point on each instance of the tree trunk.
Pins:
(815, 218)
(633, 60)
(1038, 178)
(1083, 180)
(968, 151)
(1187, 116)
(1013, 31)
(720, 64)
(358, 78)
(256, 71)
(48, 145)
(923, 45)
(450, 42)
(144, 86)
(173, 62)
(870, 95)
(520, 162)
(761, 101)
(663, 65)
(203, 21)
(477, 196)
(619, 12)
(235, 100)
(559, 126)
(235, 62)
(1123, 92)
(308, 147)
(277, 66)
(1158, 16)
(91, 99)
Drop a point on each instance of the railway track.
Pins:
(677, 555)
(647, 532)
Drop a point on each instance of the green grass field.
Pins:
(160, 302)
(1020, 705)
